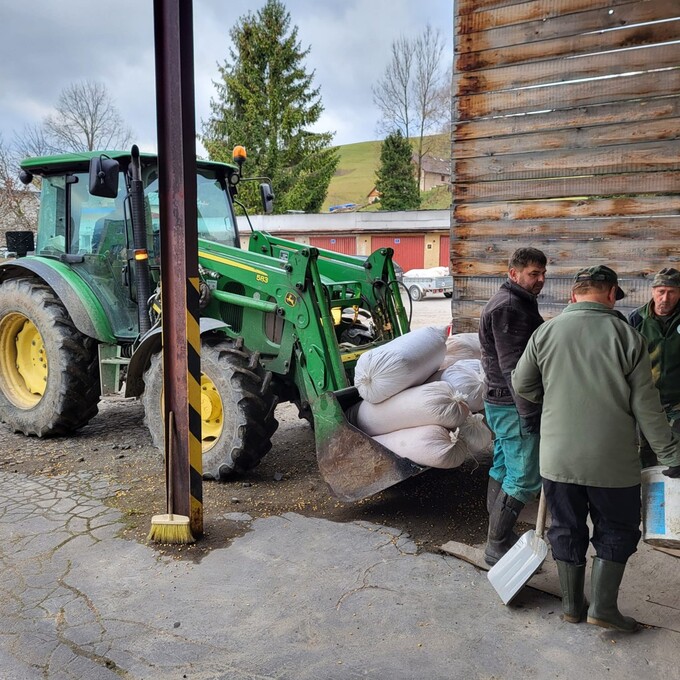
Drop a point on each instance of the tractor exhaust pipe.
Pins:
(139, 243)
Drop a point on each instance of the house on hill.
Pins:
(434, 172)
(373, 196)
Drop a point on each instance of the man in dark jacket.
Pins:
(659, 323)
(505, 326)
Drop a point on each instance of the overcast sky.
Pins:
(46, 45)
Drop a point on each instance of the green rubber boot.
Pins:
(605, 579)
(572, 578)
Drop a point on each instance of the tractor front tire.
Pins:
(237, 407)
(49, 372)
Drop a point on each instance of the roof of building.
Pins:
(351, 222)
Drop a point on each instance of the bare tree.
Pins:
(17, 202)
(412, 93)
(427, 85)
(86, 119)
(393, 92)
(33, 141)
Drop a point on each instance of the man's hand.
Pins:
(673, 471)
(530, 424)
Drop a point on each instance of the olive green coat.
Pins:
(591, 371)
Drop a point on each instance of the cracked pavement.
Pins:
(295, 597)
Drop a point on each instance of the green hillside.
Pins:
(355, 176)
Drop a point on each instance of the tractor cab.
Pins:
(86, 222)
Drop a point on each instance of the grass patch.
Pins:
(355, 175)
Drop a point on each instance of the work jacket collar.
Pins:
(595, 306)
(518, 290)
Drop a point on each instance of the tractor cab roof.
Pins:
(49, 165)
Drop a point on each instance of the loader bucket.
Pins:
(353, 464)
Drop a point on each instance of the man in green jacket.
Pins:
(591, 371)
(659, 323)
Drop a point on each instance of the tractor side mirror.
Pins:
(267, 197)
(104, 177)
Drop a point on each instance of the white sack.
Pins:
(401, 363)
(461, 346)
(461, 451)
(434, 403)
(467, 377)
(429, 445)
(476, 434)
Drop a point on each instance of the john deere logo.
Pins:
(291, 300)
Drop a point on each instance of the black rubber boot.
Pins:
(502, 519)
(572, 578)
(605, 579)
(492, 491)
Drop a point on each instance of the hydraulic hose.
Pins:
(139, 243)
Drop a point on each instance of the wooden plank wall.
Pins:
(565, 137)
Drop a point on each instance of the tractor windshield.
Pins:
(213, 208)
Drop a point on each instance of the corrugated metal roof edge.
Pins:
(351, 223)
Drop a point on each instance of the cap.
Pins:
(667, 277)
(601, 273)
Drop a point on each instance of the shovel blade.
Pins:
(509, 575)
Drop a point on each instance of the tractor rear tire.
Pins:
(49, 371)
(237, 407)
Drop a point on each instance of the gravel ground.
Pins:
(434, 507)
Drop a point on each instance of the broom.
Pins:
(170, 528)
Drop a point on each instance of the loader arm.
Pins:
(295, 293)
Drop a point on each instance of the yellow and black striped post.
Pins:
(173, 33)
(194, 384)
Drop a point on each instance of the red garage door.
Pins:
(444, 254)
(408, 250)
(338, 244)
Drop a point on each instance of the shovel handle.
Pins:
(540, 519)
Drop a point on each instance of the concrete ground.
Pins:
(296, 597)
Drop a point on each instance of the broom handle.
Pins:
(540, 519)
(171, 442)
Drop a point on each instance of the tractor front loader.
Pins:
(280, 321)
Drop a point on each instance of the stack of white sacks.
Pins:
(422, 396)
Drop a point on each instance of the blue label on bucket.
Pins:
(656, 508)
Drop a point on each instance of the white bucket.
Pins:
(660, 508)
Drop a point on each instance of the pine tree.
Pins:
(396, 180)
(266, 102)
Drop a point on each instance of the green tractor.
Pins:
(280, 321)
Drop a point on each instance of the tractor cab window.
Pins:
(52, 220)
(93, 222)
(215, 216)
(213, 209)
(97, 223)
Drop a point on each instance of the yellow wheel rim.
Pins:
(212, 413)
(23, 361)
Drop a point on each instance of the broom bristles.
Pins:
(170, 529)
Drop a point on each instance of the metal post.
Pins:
(173, 32)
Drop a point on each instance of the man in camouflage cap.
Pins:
(659, 323)
(591, 372)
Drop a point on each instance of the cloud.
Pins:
(51, 45)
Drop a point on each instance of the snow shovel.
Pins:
(522, 561)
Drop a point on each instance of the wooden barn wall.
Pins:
(565, 137)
